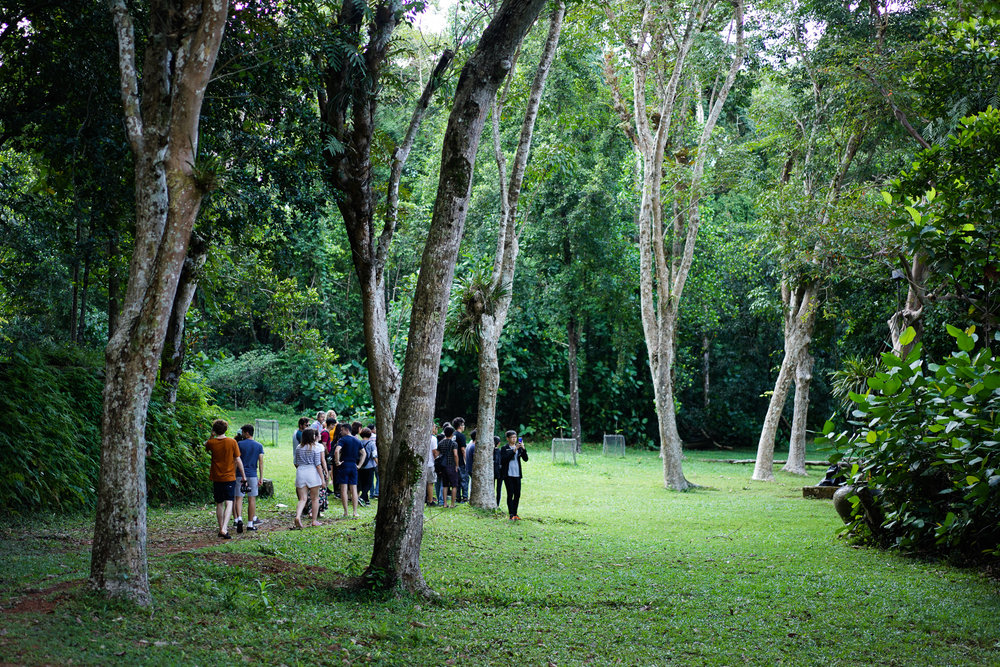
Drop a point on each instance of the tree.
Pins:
(659, 49)
(492, 309)
(399, 523)
(161, 123)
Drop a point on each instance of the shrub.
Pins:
(927, 440)
(51, 407)
(308, 378)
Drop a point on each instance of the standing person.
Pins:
(252, 456)
(297, 436)
(308, 457)
(430, 475)
(225, 462)
(497, 477)
(347, 456)
(371, 427)
(448, 448)
(317, 424)
(458, 423)
(511, 456)
(440, 477)
(366, 473)
(470, 455)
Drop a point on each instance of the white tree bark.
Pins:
(796, 463)
(800, 314)
(666, 247)
(505, 261)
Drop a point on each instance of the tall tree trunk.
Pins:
(75, 281)
(666, 247)
(399, 522)
(706, 358)
(505, 262)
(81, 327)
(573, 336)
(162, 130)
(796, 463)
(174, 347)
(347, 109)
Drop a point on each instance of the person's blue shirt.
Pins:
(250, 451)
(350, 450)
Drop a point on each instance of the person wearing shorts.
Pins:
(225, 462)
(348, 455)
(252, 456)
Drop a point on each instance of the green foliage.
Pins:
(947, 209)
(308, 378)
(927, 438)
(50, 445)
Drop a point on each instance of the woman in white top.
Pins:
(308, 475)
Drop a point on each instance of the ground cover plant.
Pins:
(606, 567)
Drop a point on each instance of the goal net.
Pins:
(564, 450)
(265, 431)
(614, 445)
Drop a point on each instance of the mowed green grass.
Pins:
(606, 567)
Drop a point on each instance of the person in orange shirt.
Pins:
(225, 462)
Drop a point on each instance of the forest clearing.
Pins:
(741, 243)
(604, 568)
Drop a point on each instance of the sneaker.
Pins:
(250, 527)
(255, 521)
(225, 536)
(515, 518)
(239, 526)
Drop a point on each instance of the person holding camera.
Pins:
(511, 456)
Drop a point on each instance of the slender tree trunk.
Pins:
(666, 247)
(483, 495)
(399, 522)
(81, 327)
(800, 317)
(174, 347)
(505, 261)
(796, 463)
(114, 289)
(162, 130)
(706, 358)
(75, 281)
(576, 429)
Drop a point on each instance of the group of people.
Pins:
(450, 461)
(229, 455)
(325, 452)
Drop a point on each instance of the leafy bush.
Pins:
(927, 440)
(308, 378)
(51, 407)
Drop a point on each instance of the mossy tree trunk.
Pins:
(162, 130)
(399, 524)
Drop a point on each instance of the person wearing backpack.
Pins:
(366, 473)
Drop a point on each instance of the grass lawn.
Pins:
(606, 567)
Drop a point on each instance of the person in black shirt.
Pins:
(463, 469)
(511, 456)
(449, 450)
